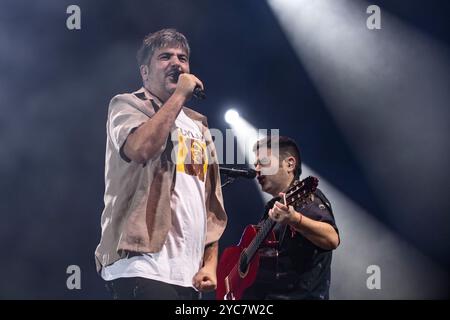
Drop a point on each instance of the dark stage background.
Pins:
(55, 86)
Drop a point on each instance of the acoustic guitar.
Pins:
(239, 264)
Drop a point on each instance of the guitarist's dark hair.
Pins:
(287, 148)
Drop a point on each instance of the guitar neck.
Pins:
(263, 231)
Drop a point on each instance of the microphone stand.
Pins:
(229, 180)
(231, 174)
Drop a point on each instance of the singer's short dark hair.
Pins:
(160, 39)
(287, 148)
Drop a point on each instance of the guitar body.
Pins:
(231, 279)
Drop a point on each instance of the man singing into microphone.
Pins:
(162, 220)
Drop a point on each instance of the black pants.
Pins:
(147, 289)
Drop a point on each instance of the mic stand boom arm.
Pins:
(229, 180)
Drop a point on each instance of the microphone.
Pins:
(245, 173)
(198, 92)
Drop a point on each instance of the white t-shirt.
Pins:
(182, 254)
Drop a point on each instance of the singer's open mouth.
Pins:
(174, 73)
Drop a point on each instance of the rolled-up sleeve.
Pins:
(123, 118)
(318, 211)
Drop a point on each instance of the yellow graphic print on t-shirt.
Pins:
(191, 156)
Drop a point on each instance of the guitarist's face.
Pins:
(272, 174)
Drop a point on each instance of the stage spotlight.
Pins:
(231, 116)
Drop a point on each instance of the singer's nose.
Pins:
(176, 67)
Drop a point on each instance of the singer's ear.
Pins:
(144, 72)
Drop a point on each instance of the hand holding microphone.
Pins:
(185, 81)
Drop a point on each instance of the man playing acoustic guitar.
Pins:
(306, 233)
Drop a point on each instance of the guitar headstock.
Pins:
(301, 190)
